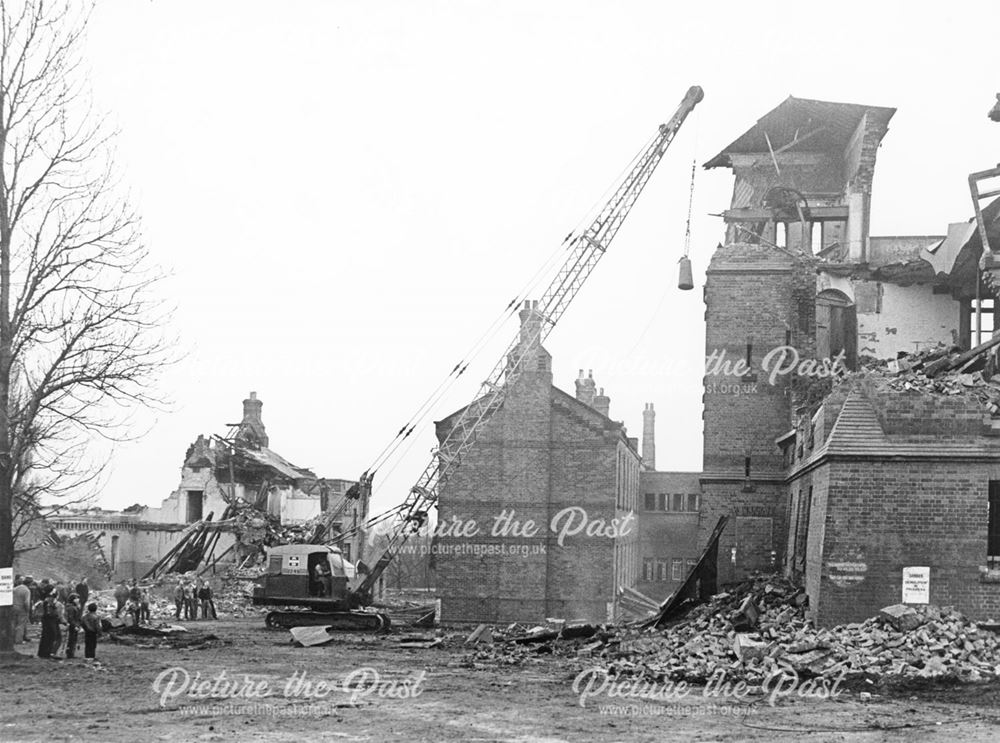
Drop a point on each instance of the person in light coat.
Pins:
(22, 611)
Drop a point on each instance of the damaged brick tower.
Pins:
(802, 194)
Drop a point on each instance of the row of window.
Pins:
(627, 483)
(687, 502)
(656, 570)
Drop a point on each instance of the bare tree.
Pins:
(79, 325)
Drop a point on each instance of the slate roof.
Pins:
(857, 432)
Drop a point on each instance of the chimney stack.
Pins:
(649, 437)
(529, 352)
(531, 321)
(586, 388)
(602, 404)
(252, 426)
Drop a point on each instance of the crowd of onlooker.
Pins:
(190, 597)
(56, 606)
(63, 612)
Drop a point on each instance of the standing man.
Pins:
(134, 593)
(36, 596)
(179, 600)
(144, 605)
(91, 629)
(58, 639)
(22, 611)
(48, 612)
(207, 605)
(72, 624)
(191, 594)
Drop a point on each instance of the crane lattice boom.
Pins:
(586, 249)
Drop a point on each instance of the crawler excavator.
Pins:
(335, 594)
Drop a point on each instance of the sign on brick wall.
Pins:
(916, 585)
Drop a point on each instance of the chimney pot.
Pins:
(586, 389)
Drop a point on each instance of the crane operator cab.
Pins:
(312, 575)
(314, 585)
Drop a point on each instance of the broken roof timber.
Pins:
(828, 126)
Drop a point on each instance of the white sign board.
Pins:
(6, 586)
(916, 585)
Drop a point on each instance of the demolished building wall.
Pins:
(800, 270)
(216, 472)
(130, 544)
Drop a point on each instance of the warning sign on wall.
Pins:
(6, 586)
(916, 585)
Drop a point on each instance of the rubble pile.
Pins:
(759, 629)
(942, 370)
(256, 527)
(236, 591)
(901, 642)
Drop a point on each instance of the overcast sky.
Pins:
(348, 193)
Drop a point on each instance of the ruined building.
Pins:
(547, 471)
(843, 482)
(216, 471)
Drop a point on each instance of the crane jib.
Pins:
(585, 251)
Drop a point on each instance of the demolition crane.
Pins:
(289, 580)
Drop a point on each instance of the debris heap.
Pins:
(944, 370)
(759, 629)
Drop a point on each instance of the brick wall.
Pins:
(543, 454)
(666, 533)
(916, 413)
(870, 519)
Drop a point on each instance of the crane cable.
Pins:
(695, 118)
(687, 229)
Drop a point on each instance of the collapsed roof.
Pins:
(802, 124)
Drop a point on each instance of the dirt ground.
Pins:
(420, 694)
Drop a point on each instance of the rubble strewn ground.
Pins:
(116, 698)
(759, 630)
